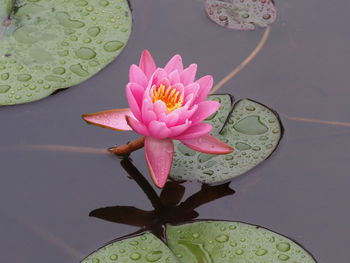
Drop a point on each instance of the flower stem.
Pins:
(245, 62)
(128, 148)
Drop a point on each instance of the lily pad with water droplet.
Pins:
(52, 45)
(252, 129)
(145, 248)
(223, 242)
(241, 14)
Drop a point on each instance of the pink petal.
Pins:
(147, 64)
(136, 75)
(206, 83)
(134, 93)
(194, 131)
(192, 88)
(184, 113)
(158, 130)
(169, 119)
(208, 144)
(159, 108)
(159, 76)
(148, 113)
(205, 109)
(179, 87)
(188, 75)
(159, 157)
(137, 126)
(174, 63)
(111, 119)
(174, 77)
(177, 130)
(165, 82)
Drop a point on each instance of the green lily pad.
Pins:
(55, 44)
(204, 242)
(224, 242)
(251, 128)
(141, 249)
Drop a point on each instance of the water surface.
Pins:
(301, 191)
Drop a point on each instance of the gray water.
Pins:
(301, 191)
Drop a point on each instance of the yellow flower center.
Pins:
(170, 96)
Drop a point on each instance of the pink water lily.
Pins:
(166, 104)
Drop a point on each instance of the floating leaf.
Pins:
(251, 128)
(241, 14)
(222, 242)
(145, 248)
(51, 45)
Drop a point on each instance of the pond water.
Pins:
(46, 195)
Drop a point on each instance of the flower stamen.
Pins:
(169, 95)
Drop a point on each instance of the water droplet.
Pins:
(283, 246)
(78, 69)
(104, 3)
(209, 172)
(283, 257)
(24, 77)
(59, 71)
(81, 3)
(195, 235)
(251, 125)
(222, 238)
(112, 46)
(4, 88)
(233, 244)
(113, 257)
(5, 76)
(250, 108)
(93, 31)
(64, 19)
(239, 252)
(242, 146)
(256, 148)
(73, 38)
(154, 256)
(63, 53)
(276, 131)
(135, 256)
(269, 146)
(261, 252)
(85, 53)
(54, 78)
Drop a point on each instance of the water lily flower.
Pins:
(166, 104)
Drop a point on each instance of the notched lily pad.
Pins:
(250, 127)
(142, 249)
(223, 242)
(241, 14)
(52, 45)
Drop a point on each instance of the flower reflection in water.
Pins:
(168, 206)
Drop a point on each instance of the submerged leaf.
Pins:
(52, 45)
(251, 128)
(241, 14)
(223, 241)
(143, 249)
